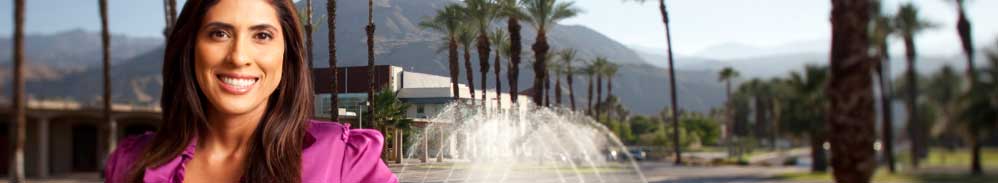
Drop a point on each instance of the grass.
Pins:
(941, 165)
(883, 176)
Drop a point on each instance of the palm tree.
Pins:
(511, 10)
(542, 15)
(590, 72)
(558, 70)
(17, 168)
(804, 110)
(481, 14)
(599, 68)
(567, 58)
(334, 93)
(611, 72)
(979, 111)
(908, 24)
(881, 29)
(106, 48)
(850, 115)
(466, 37)
(448, 21)
(672, 79)
(963, 28)
(726, 75)
(370, 59)
(170, 11)
(308, 30)
(502, 46)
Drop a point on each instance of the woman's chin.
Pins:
(236, 105)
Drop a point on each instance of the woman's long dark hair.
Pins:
(276, 144)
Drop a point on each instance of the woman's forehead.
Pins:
(242, 14)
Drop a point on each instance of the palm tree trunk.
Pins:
(672, 84)
(609, 86)
(599, 95)
(887, 127)
(308, 32)
(589, 95)
(513, 24)
(547, 93)
(334, 92)
(483, 60)
(540, 48)
(916, 126)
(963, 29)
(819, 159)
(16, 171)
(497, 71)
(850, 93)
(454, 66)
(975, 153)
(111, 127)
(571, 92)
(370, 61)
(470, 73)
(557, 89)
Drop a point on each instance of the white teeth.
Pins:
(238, 82)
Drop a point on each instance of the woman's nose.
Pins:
(239, 53)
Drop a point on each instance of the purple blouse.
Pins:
(333, 153)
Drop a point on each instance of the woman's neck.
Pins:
(229, 134)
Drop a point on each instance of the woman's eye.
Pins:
(220, 35)
(263, 36)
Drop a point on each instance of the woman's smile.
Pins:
(238, 84)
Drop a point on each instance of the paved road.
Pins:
(662, 172)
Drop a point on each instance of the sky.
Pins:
(697, 24)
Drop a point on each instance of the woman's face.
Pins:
(239, 55)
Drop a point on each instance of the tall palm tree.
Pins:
(672, 79)
(17, 167)
(600, 64)
(370, 60)
(511, 10)
(170, 11)
(482, 13)
(881, 29)
(590, 72)
(567, 59)
(448, 21)
(308, 31)
(963, 28)
(106, 51)
(559, 69)
(850, 93)
(804, 111)
(979, 111)
(611, 72)
(499, 37)
(726, 75)
(334, 92)
(466, 37)
(543, 15)
(908, 24)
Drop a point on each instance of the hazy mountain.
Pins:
(641, 87)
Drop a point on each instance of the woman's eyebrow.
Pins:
(263, 27)
(220, 25)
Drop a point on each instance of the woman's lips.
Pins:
(236, 83)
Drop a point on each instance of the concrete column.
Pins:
(425, 144)
(440, 143)
(43, 147)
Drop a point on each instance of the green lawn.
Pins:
(941, 166)
(883, 176)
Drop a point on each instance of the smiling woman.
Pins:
(237, 90)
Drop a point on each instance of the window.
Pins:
(420, 109)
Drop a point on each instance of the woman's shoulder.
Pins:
(124, 156)
(325, 131)
(360, 148)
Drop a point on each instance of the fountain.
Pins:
(521, 144)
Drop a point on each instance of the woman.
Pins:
(237, 95)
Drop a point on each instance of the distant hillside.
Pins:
(642, 87)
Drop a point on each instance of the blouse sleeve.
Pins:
(120, 161)
(362, 158)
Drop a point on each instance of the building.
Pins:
(428, 94)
